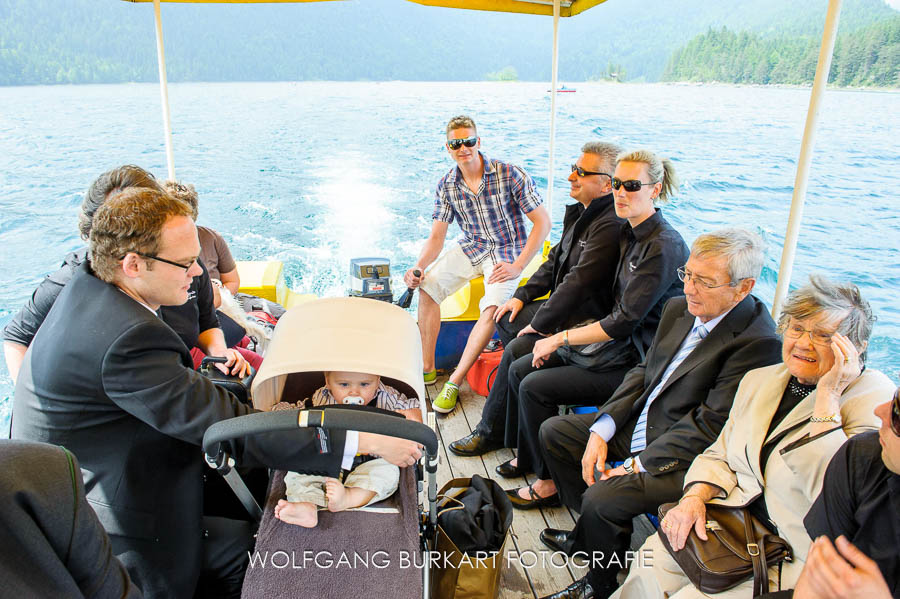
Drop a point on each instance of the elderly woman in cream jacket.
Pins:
(786, 423)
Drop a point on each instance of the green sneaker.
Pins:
(446, 399)
(430, 377)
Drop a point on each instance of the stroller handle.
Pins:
(345, 419)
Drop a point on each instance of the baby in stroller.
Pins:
(370, 480)
(327, 336)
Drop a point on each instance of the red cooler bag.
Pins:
(482, 374)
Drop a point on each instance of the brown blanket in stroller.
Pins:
(348, 554)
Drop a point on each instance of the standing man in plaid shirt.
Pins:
(488, 199)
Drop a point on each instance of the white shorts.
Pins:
(378, 475)
(453, 269)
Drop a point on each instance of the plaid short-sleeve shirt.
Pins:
(493, 217)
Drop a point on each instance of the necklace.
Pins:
(798, 389)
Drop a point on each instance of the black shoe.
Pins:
(507, 470)
(580, 589)
(535, 501)
(474, 444)
(557, 540)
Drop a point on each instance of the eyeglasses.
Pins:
(186, 267)
(795, 331)
(630, 185)
(684, 275)
(455, 144)
(895, 413)
(583, 173)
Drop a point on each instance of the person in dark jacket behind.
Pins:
(578, 274)
(194, 320)
(53, 544)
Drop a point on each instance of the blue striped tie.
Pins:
(639, 439)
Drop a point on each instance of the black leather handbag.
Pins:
(739, 547)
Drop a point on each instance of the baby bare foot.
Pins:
(338, 501)
(301, 513)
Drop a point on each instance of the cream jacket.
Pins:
(796, 467)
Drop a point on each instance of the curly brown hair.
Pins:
(130, 221)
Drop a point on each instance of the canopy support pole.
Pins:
(553, 84)
(164, 91)
(803, 163)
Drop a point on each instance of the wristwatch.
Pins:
(628, 465)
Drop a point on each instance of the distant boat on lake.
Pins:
(562, 89)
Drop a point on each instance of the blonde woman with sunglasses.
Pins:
(584, 365)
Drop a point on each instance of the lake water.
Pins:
(316, 173)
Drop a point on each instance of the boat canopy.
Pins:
(567, 8)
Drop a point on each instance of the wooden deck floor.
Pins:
(528, 568)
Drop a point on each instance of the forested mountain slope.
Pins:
(84, 41)
(866, 57)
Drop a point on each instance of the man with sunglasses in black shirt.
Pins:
(578, 275)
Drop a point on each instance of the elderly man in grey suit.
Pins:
(107, 378)
(667, 410)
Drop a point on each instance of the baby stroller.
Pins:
(378, 551)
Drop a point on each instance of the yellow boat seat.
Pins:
(266, 279)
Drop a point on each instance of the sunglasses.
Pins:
(455, 144)
(583, 173)
(895, 413)
(630, 185)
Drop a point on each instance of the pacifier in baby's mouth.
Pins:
(353, 400)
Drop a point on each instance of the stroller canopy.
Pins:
(342, 333)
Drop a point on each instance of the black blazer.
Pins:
(109, 380)
(690, 411)
(579, 270)
(53, 545)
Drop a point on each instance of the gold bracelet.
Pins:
(566, 337)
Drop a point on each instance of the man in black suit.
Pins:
(107, 378)
(667, 410)
(578, 274)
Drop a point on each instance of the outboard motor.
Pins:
(371, 278)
